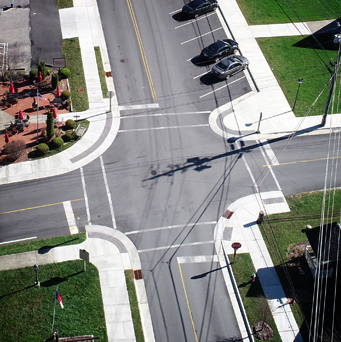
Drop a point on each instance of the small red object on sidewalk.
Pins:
(6, 138)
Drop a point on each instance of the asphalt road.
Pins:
(169, 176)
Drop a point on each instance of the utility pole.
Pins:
(337, 39)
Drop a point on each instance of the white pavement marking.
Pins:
(108, 194)
(197, 259)
(198, 37)
(268, 150)
(171, 227)
(201, 74)
(194, 20)
(143, 106)
(179, 10)
(175, 246)
(85, 197)
(224, 86)
(156, 128)
(163, 114)
(70, 217)
(269, 165)
(19, 240)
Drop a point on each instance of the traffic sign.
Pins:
(236, 245)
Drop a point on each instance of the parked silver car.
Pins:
(230, 66)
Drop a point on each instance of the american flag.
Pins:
(41, 97)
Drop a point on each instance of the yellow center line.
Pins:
(189, 308)
(302, 161)
(139, 40)
(38, 207)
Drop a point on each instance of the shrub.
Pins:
(33, 74)
(58, 132)
(55, 80)
(14, 149)
(21, 73)
(57, 142)
(48, 71)
(43, 132)
(69, 135)
(50, 125)
(42, 68)
(42, 149)
(66, 94)
(64, 73)
(70, 124)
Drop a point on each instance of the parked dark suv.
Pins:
(198, 7)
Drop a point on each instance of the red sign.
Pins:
(236, 245)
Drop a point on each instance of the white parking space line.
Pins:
(162, 114)
(171, 227)
(70, 217)
(224, 86)
(175, 246)
(197, 259)
(194, 20)
(176, 11)
(202, 74)
(108, 194)
(85, 197)
(19, 240)
(143, 106)
(198, 37)
(159, 128)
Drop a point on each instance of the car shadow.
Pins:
(209, 79)
(179, 16)
(199, 61)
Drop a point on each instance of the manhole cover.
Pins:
(81, 90)
(122, 60)
(153, 172)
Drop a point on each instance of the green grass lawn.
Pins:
(252, 294)
(101, 71)
(27, 311)
(292, 58)
(72, 53)
(64, 3)
(43, 243)
(284, 11)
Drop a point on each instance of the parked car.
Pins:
(219, 49)
(198, 7)
(230, 66)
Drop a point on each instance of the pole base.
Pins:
(37, 284)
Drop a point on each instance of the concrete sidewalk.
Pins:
(242, 227)
(112, 253)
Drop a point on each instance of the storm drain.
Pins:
(137, 274)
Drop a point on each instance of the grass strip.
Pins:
(27, 311)
(293, 58)
(284, 11)
(252, 295)
(135, 312)
(64, 4)
(42, 244)
(101, 72)
(72, 54)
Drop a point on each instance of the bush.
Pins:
(70, 124)
(50, 125)
(55, 81)
(21, 73)
(43, 132)
(42, 68)
(57, 142)
(14, 149)
(33, 74)
(69, 135)
(49, 71)
(64, 73)
(42, 149)
(66, 94)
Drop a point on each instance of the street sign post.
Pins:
(235, 246)
(84, 255)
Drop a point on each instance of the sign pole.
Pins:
(235, 246)
(54, 310)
